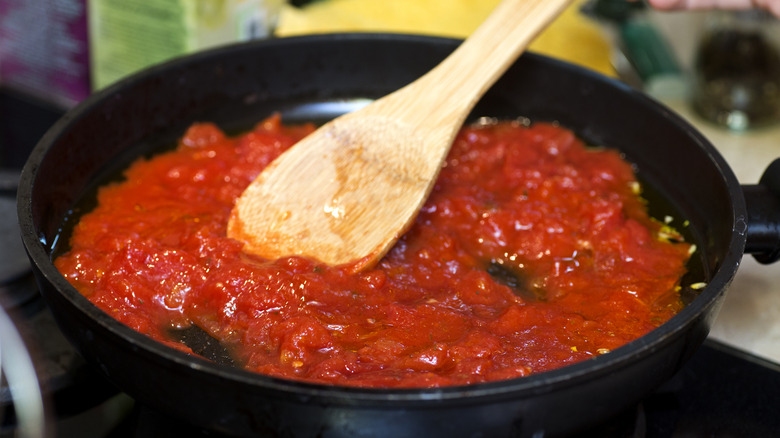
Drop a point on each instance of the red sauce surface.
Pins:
(566, 219)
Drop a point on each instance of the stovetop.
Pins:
(721, 392)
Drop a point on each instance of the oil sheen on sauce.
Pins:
(532, 252)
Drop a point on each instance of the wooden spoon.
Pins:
(348, 191)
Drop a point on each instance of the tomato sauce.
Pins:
(533, 252)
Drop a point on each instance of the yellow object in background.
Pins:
(571, 37)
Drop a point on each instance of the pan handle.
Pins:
(763, 208)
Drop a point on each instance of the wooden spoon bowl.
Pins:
(348, 191)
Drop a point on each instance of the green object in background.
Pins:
(129, 35)
(647, 50)
(652, 59)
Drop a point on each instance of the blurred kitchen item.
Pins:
(737, 70)
(44, 49)
(643, 56)
(25, 118)
(20, 383)
(128, 35)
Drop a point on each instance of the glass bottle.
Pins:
(737, 70)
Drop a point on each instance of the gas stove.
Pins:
(721, 392)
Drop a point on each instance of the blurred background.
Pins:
(54, 53)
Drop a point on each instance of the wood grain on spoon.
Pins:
(348, 191)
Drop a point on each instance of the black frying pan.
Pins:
(315, 78)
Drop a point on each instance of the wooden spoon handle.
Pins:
(446, 94)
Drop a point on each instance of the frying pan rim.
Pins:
(518, 387)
